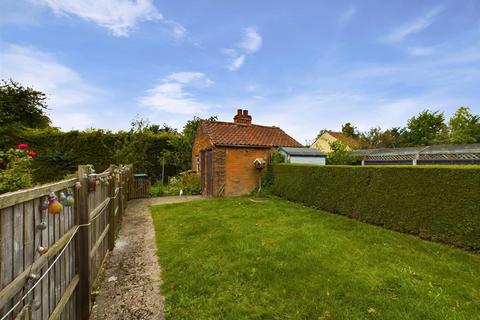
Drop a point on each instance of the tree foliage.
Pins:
(349, 130)
(181, 152)
(426, 128)
(22, 106)
(464, 127)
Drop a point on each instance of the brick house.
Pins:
(224, 153)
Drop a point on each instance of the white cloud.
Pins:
(189, 77)
(421, 51)
(171, 94)
(415, 26)
(65, 89)
(178, 30)
(119, 16)
(250, 43)
(236, 63)
(252, 40)
(347, 16)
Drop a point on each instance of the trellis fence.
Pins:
(51, 258)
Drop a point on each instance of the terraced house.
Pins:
(230, 156)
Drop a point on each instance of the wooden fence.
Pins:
(50, 261)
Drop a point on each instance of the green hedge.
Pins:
(59, 153)
(437, 203)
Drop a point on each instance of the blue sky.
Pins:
(300, 65)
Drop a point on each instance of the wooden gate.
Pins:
(202, 170)
(209, 173)
(140, 186)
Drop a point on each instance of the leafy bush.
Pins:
(15, 171)
(189, 183)
(437, 203)
(340, 154)
(274, 158)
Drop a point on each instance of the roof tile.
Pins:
(229, 133)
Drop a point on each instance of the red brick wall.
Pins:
(241, 177)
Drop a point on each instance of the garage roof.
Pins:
(304, 152)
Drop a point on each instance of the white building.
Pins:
(303, 155)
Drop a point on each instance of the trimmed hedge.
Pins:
(59, 153)
(436, 203)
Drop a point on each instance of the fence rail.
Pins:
(50, 260)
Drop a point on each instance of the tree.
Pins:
(376, 138)
(340, 154)
(427, 128)
(349, 131)
(464, 127)
(22, 106)
(191, 127)
(182, 144)
(393, 138)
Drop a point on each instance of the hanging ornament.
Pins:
(70, 199)
(42, 225)
(44, 205)
(62, 198)
(34, 276)
(42, 249)
(54, 207)
(92, 182)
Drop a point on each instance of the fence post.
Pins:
(83, 246)
(111, 216)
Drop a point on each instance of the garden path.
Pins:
(130, 288)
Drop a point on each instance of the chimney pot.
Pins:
(242, 117)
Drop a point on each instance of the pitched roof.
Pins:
(235, 134)
(349, 141)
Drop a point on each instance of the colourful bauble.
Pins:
(54, 207)
(62, 198)
(70, 199)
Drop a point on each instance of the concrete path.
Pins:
(131, 286)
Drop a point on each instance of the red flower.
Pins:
(31, 153)
(22, 146)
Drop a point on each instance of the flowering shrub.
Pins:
(15, 168)
(188, 182)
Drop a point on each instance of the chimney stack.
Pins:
(242, 117)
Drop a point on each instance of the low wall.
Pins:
(437, 203)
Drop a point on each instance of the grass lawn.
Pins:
(235, 259)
